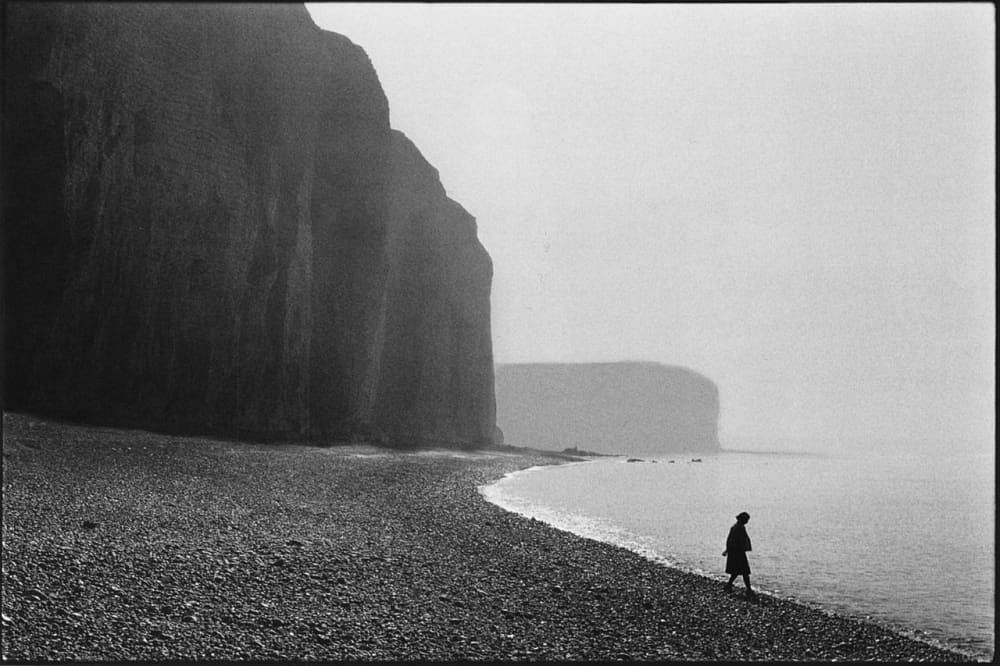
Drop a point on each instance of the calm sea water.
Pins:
(905, 539)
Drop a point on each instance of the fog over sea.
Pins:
(904, 536)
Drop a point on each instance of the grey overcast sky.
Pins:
(797, 201)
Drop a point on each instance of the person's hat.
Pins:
(743, 516)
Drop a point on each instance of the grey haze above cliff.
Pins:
(627, 407)
(211, 227)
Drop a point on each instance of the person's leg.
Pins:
(729, 585)
(746, 581)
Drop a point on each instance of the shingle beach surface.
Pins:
(129, 545)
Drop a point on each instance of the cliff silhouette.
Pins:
(619, 408)
(210, 227)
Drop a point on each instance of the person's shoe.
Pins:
(728, 587)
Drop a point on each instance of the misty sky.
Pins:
(796, 201)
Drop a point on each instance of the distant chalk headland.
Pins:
(635, 408)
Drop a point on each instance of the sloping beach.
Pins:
(125, 545)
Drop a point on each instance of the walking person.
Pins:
(737, 546)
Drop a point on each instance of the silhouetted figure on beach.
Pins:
(737, 546)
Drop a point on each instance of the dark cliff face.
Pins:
(438, 350)
(622, 408)
(209, 228)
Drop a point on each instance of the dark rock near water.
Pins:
(210, 227)
(576, 451)
(623, 408)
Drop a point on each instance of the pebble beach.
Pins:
(128, 545)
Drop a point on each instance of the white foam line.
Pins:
(583, 526)
(603, 532)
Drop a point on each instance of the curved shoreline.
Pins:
(129, 545)
(608, 536)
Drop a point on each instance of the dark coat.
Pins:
(737, 545)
